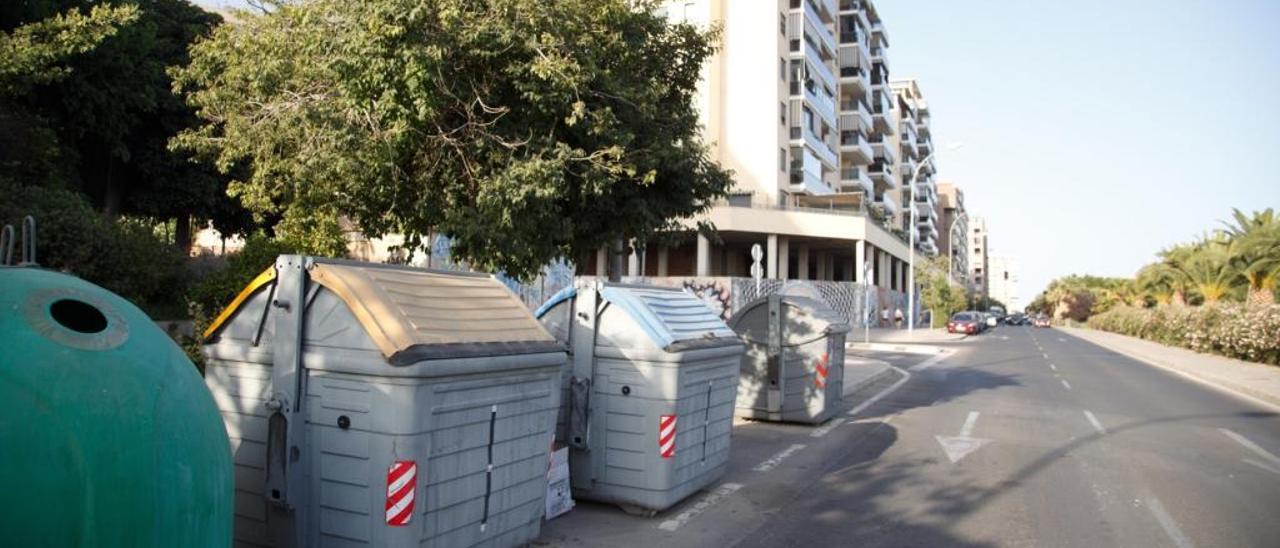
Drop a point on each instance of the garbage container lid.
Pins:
(672, 318)
(405, 309)
(807, 319)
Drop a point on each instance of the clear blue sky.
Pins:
(1097, 131)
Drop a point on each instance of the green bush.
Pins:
(1240, 331)
(120, 255)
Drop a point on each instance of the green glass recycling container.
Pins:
(108, 434)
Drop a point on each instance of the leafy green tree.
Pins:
(525, 130)
(937, 292)
(111, 112)
(36, 53)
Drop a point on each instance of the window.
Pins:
(782, 160)
(795, 44)
(782, 69)
(782, 112)
(782, 23)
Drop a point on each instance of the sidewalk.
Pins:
(1257, 380)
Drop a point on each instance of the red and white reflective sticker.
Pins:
(820, 379)
(402, 480)
(667, 436)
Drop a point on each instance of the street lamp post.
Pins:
(911, 242)
(951, 236)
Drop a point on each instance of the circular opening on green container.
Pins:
(78, 316)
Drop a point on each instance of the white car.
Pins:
(991, 320)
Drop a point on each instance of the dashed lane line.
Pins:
(774, 461)
(1066, 384)
(1167, 523)
(1094, 421)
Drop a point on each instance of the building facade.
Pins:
(953, 226)
(979, 271)
(916, 165)
(1003, 281)
(799, 140)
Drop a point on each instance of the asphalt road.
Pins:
(1022, 437)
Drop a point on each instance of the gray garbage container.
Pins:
(793, 369)
(384, 406)
(652, 380)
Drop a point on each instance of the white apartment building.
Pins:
(979, 271)
(785, 106)
(915, 146)
(1003, 281)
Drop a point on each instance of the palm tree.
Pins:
(1206, 266)
(1255, 252)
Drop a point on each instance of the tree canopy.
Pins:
(525, 130)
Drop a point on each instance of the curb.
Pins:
(1234, 388)
(925, 349)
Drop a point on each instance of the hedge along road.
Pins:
(1130, 455)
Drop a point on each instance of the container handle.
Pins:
(6, 245)
(28, 241)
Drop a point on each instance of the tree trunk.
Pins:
(182, 234)
(1179, 299)
(1259, 296)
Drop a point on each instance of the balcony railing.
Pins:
(852, 138)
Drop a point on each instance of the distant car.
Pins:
(964, 322)
(992, 320)
(1042, 321)
(1016, 319)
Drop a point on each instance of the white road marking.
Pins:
(1046, 356)
(905, 377)
(708, 501)
(775, 460)
(958, 447)
(969, 422)
(1094, 421)
(1053, 367)
(1168, 524)
(826, 428)
(1267, 457)
(1060, 339)
(1066, 384)
(1263, 466)
(929, 362)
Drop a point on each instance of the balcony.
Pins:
(855, 179)
(816, 67)
(924, 146)
(823, 151)
(854, 145)
(882, 173)
(887, 201)
(816, 29)
(881, 115)
(882, 150)
(823, 105)
(806, 176)
(855, 115)
(854, 77)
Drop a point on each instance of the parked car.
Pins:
(992, 320)
(1042, 321)
(965, 322)
(1016, 319)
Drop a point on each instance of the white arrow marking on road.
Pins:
(1271, 462)
(958, 447)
